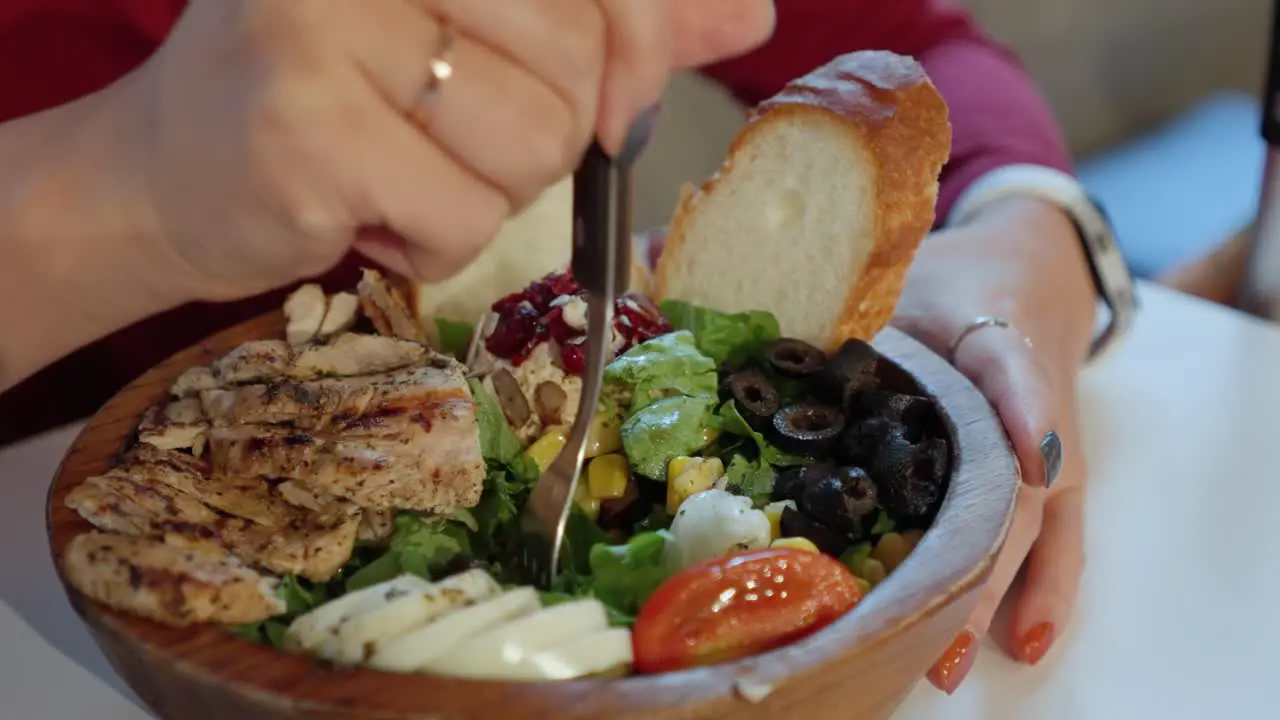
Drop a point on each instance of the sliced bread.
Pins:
(821, 203)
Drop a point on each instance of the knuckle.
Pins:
(550, 151)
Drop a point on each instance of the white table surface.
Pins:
(1178, 612)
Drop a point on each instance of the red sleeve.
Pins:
(997, 115)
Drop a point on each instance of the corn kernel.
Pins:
(607, 477)
(678, 465)
(688, 476)
(891, 550)
(773, 511)
(795, 543)
(590, 506)
(872, 571)
(605, 435)
(709, 435)
(544, 450)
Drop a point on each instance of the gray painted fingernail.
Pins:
(1051, 451)
(638, 136)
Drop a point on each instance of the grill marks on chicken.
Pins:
(124, 503)
(273, 460)
(168, 582)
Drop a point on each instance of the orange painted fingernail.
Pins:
(951, 668)
(1036, 643)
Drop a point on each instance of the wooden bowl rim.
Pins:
(978, 507)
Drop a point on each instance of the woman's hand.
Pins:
(269, 135)
(1019, 260)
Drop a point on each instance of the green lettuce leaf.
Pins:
(731, 338)
(750, 478)
(454, 337)
(666, 365)
(731, 421)
(626, 575)
(498, 442)
(422, 545)
(663, 430)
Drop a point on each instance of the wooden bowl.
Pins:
(862, 666)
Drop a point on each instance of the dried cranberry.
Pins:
(639, 320)
(560, 330)
(539, 337)
(563, 283)
(573, 355)
(515, 328)
(508, 304)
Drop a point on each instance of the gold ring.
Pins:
(978, 323)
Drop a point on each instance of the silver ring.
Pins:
(978, 323)
(440, 68)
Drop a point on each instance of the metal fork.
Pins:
(602, 266)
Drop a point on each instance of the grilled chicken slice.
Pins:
(254, 361)
(440, 470)
(304, 312)
(168, 583)
(352, 354)
(250, 498)
(175, 425)
(124, 504)
(376, 525)
(365, 404)
(386, 308)
(344, 309)
(192, 381)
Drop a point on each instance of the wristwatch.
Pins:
(1111, 276)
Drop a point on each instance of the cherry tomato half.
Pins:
(740, 605)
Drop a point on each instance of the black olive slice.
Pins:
(851, 370)
(859, 444)
(755, 397)
(807, 429)
(794, 523)
(916, 415)
(789, 483)
(794, 358)
(911, 478)
(843, 500)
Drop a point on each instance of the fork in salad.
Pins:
(602, 264)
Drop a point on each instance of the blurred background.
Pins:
(1158, 99)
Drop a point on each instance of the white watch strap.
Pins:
(1046, 183)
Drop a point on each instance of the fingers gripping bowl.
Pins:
(309, 515)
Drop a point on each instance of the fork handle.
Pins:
(601, 199)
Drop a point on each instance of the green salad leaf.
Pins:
(731, 338)
(454, 337)
(666, 365)
(626, 575)
(498, 442)
(663, 430)
(731, 421)
(422, 545)
(883, 524)
(750, 478)
(299, 596)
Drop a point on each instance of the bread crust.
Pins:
(887, 106)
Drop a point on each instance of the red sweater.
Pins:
(52, 51)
